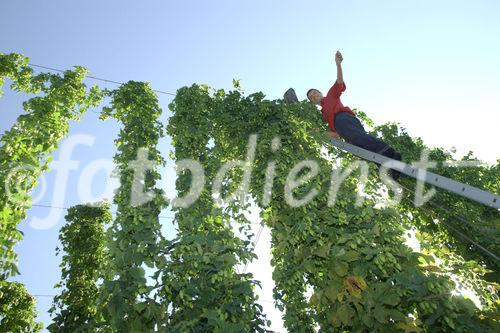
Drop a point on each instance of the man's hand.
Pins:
(338, 58)
(338, 61)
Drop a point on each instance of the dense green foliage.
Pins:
(24, 155)
(15, 68)
(25, 147)
(134, 238)
(206, 292)
(17, 309)
(339, 266)
(482, 222)
(82, 238)
(458, 235)
(354, 259)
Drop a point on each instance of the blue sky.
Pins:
(430, 65)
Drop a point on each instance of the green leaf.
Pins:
(380, 314)
(390, 299)
(341, 268)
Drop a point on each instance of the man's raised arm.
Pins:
(338, 61)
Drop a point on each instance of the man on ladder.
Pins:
(343, 122)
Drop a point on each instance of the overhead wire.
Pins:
(96, 78)
(106, 81)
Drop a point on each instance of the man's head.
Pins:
(314, 95)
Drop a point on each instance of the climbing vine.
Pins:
(134, 238)
(354, 260)
(75, 309)
(17, 309)
(24, 149)
(15, 68)
(206, 291)
(24, 155)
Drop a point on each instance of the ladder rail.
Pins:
(450, 185)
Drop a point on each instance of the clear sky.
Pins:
(430, 65)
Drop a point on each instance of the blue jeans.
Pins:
(350, 128)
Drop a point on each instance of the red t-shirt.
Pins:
(331, 104)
